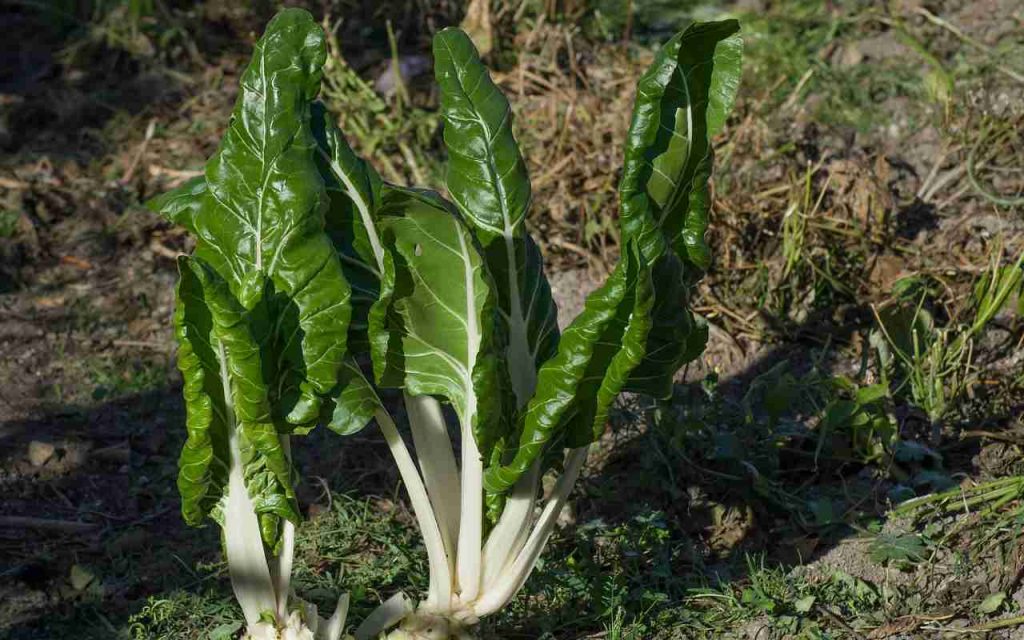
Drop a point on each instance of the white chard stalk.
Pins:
(251, 567)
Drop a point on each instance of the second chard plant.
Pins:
(319, 294)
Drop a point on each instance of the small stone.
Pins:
(315, 510)
(80, 577)
(40, 452)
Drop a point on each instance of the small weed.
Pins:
(993, 512)
(863, 414)
(181, 614)
(8, 223)
(113, 377)
(930, 365)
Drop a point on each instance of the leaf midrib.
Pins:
(518, 333)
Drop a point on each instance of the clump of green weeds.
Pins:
(382, 129)
(622, 576)
(361, 544)
(779, 603)
(928, 365)
(183, 614)
(994, 507)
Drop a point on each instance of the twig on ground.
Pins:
(45, 524)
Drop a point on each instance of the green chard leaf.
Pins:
(205, 458)
(354, 404)
(228, 407)
(433, 329)
(595, 356)
(682, 101)
(637, 330)
(486, 173)
(488, 181)
(354, 189)
(259, 217)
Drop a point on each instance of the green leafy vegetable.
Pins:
(261, 321)
(219, 355)
(634, 333)
(260, 217)
(682, 100)
(310, 272)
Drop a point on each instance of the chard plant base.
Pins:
(315, 285)
(429, 626)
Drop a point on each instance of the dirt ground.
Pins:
(895, 134)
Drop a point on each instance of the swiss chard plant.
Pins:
(320, 294)
(262, 316)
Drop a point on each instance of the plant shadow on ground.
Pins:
(107, 480)
(106, 533)
(696, 513)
